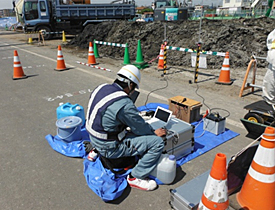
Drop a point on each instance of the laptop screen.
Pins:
(162, 115)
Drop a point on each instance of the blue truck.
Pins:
(51, 16)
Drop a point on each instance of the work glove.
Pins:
(88, 146)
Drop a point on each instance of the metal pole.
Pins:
(165, 59)
(197, 63)
(253, 85)
(164, 32)
(200, 25)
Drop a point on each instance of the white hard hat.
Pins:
(131, 72)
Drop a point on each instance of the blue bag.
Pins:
(102, 181)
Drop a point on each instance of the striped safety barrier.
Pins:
(57, 32)
(110, 44)
(44, 32)
(194, 51)
(92, 66)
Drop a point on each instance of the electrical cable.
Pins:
(210, 110)
(228, 113)
(196, 127)
(203, 99)
(175, 138)
(154, 91)
(200, 135)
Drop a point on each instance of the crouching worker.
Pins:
(110, 111)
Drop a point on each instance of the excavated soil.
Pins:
(240, 37)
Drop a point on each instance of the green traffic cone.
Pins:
(95, 50)
(126, 56)
(139, 58)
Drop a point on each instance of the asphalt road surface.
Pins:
(33, 175)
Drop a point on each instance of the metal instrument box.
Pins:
(180, 138)
(188, 195)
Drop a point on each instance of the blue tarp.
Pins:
(152, 107)
(72, 149)
(108, 186)
(205, 141)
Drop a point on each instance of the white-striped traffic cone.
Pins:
(91, 55)
(224, 77)
(258, 190)
(18, 72)
(215, 192)
(60, 60)
(161, 58)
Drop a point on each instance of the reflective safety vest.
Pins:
(103, 96)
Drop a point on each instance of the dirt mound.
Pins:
(241, 37)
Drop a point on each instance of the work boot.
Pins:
(143, 184)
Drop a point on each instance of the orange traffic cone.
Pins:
(60, 61)
(161, 58)
(18, 72)
(225, 72)
(215, 192)
(258, 190)
(91, 55)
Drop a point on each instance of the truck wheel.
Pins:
(251, 116)
(45, 29)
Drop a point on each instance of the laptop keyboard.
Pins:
(157, 124)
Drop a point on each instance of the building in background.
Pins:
(248, 7)
(208, 3)
(6, 12)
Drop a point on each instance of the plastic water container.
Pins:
(165, 170)
(69, 128)
(68, 109)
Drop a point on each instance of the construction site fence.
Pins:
(226, 15)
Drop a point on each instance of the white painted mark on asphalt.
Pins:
(68, 95)
(30, 67)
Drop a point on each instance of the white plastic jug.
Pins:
(165, 170)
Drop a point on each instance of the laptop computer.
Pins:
(161, 118)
